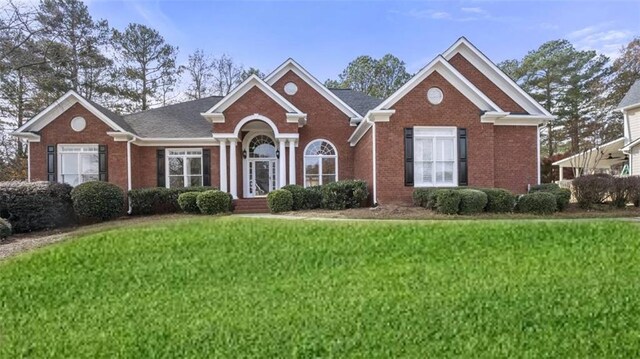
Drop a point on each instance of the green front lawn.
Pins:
(234, 287)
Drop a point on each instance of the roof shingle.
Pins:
(360, 102)
(632, 97)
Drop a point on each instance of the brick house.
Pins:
(459, 121)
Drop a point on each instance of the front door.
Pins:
(261, 166)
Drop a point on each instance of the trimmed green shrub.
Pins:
(32, 206)
(620, 192)
(563, 195)
(5, 229)
(472, 201)
(344, 194)
(591, 189)
(188, 202)
(313, 197)
(448, 201)
(213, 202)
(97, 200)
(425, 197)
(537, 202)
(299, 196)
(499, 200)
(280, 201)
(159, 200)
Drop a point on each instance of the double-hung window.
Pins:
(435, 156)
(184, 167)
(78, 163)
(320, 163)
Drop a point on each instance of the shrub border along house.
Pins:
(214, 202)
(98, 201)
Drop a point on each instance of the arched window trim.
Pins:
(259, 135)
(305, 156)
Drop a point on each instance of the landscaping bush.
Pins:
(313, 197)
(563, 195)
(213, 202)
(98, 201)
(280, 201)
(622, 191)
(188, 202)
(472, 201)
(32, 206)
(591, 189)
(448, 201)
(159, 200)
(344, 194)
(425, 197)
(499, 200)
(5, 229)
(634, 190)
(299, 196)
(537, 202)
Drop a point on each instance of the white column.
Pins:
(223, 165)
(292, 162)
(282, 180)
(233, 168)
(561, 173)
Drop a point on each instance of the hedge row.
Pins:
(596, 189)
(464, 200)
(159, 200)
(336, 195)
(36, 205)
(207, 202)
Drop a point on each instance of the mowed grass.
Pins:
(234, 287)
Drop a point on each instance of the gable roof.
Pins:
(65, 102)
(357, 100)
(497, 76)
(632, 98)
(243, 88)
(182, 120)
(455, 78)
(292, 65)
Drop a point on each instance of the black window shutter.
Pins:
(102, 163)
(462, 157)
(408, 156)
(206, 167)
(51, 163)
(160, 167)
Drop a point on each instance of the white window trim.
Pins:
(304, 162)
(455, 156)
(59, 154)
(184, 168)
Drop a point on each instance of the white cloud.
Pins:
(603, 38)
(474, 10)
(463, 15)
(429, 14)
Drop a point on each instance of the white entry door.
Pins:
(262, 177)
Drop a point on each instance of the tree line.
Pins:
(55, 46)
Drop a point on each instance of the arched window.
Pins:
(262, 146)
(320, 163)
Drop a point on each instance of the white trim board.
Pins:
(57, 108)
(292, 65)
(465, 48)
(455, 78)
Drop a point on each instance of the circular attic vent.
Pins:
(435, 96)
(290, 88)
(78, 124)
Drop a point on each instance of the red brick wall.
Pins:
(363, 160)
(516, 160)
(324, 120)
(59, 132)
(485, 85)
(414, 110)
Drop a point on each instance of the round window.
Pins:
(434, 95)
(290, 88)
(78, 124)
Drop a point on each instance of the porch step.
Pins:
(250, 205)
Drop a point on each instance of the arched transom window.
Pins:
(262, 146)
(320, 163)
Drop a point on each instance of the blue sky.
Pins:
(325, 35)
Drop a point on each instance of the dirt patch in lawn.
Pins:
(413, 213)
(23, 242)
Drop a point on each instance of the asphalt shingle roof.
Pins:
(632, 97)
(182, 120)
(361, 102)
(112, 116)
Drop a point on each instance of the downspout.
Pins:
(129, 187)
(28, 161)
(375, 186)
(538, 152)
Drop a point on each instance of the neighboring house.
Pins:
(623, 152)
(459, 121)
